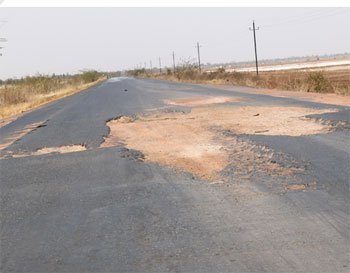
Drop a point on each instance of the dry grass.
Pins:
(332, 81)
(18, 96)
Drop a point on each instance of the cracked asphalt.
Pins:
(105, 210)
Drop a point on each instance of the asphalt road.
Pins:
(103, 210)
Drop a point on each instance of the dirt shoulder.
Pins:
(330, 87)
(335, 99)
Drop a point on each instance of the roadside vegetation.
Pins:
(19, 95)
(337, 81)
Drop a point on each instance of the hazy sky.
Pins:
(61, 40)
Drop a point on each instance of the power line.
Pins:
(294, 17)
(306, 17)
(308, 20)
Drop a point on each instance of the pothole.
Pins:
(194, 141)
(50, 150)
(60, 150)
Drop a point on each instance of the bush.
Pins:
(90, 76)
(317, 82)
(136, 72)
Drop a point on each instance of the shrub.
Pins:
(317, 82)
(90, 76)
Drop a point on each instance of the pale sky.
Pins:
(66, 40)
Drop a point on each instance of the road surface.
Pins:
(104, 210)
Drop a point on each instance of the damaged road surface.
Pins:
(171, 177)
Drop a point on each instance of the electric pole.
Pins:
(150, 66)
(2, 40)
(160, 66)
(256, 54)
(199, 57)
(174, 61)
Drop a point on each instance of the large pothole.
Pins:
(194, 142)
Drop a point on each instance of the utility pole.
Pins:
(2, 40)
(160, 65)
(174, 61)
(199, 57)
(256, 54)
(150, 64)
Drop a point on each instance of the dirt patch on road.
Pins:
(195, 142)
(61, 150)
(296, 187)
(202, 101)
(261, 120)
(167, 141)
(19, 134)
(48, 150)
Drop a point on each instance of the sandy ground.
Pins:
(201, 101)
(316, 97)
(296, 187)
(61, 150)
(302, 65)
(197, 142)
(49, 150)
(335, 99)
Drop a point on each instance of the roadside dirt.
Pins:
(316, 97)
(201, 101)
(196, 142)
(335, 99)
